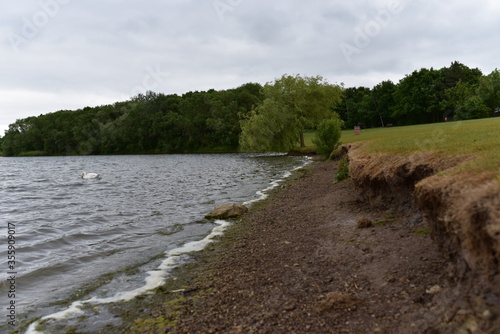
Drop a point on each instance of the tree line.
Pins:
(456, 92)
(254, 117)
(148, 123)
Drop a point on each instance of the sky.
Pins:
(69, 54)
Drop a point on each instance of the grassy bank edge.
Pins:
(479, 139)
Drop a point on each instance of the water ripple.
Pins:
(72, 231)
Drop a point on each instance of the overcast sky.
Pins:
(68, 54)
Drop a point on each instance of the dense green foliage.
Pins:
(425, 96)
(252, 117)
(327, 136)
(292, 104)
(150, 123)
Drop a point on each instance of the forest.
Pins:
(425, 96)
(148, 123)
(211, 121)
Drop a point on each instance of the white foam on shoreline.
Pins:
(157, 277)
(263, 194)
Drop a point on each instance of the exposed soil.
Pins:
(462, 210)
(325, 257)
(318, 258)
(355, 256)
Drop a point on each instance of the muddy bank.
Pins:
(300, 264)
(463, 213)
(365, 255)
(323, 257)
(392, 179)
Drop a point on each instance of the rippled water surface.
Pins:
(74, 235)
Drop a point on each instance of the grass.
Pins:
(308, 137)
(388, 218)
(310, 148)
(478, 138)
(422, 231)
(33, 154)
(343, 170)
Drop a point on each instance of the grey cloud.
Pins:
(105, 48)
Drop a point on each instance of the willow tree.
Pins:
(291, 105)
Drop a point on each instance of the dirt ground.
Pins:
(316, 258)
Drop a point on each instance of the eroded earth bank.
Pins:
(402, 247)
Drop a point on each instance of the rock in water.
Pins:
(226, 211)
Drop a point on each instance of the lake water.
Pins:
(113, 238)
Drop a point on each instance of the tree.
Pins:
(352, 106)
(383, 101)
(455, 99)
(291, 104)
(473, 108)
(459, 72)
(328, 136)
(489, 90)
(417, 97)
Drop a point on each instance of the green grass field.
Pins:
(308, 137)
(479, 138)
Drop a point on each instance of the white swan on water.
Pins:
(90, 175)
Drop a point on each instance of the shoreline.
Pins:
(298, 262)
(324, 258)
(177, 257)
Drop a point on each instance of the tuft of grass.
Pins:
(337, 153)
(343, 169)
(384, 221)
(422, 231)
(389, 217)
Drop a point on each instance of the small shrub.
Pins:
(327, 136)
(343, 170)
